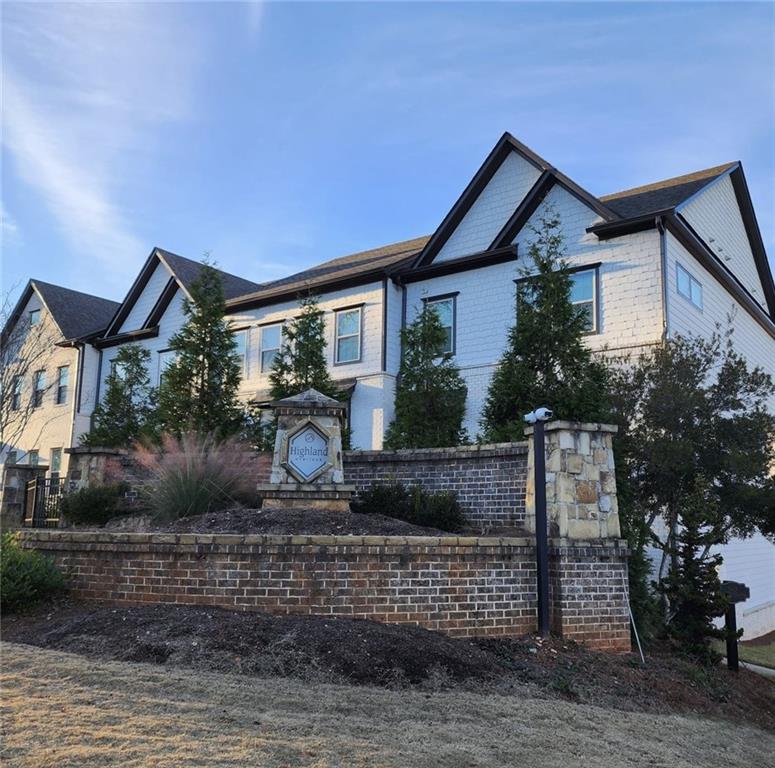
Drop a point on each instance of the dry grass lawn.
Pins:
(64, 710)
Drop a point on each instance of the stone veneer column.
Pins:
(580, 481)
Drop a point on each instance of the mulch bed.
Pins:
(363, 652)
(246, 521)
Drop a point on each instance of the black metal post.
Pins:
(731, 626)
(542, 543)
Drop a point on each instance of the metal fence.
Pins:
(42, 502)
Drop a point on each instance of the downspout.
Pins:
(97, 390)
(76, 403)
(663, 269)
(384, 323)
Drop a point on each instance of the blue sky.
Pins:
(280, 135)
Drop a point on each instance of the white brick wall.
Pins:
(508, 186)
(630, 296)
(630, 283)
(715, 215)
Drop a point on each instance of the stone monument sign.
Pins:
(307, 468)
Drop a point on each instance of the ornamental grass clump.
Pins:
(196, 474)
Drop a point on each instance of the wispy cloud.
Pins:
(9, 230)
(86, 88)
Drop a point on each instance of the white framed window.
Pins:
(33, 458)
(241, 340)
(55, 466)
(34, 315)
(347, 343)
(583, 294)
(166, 358)
(445, 307)
(688, 286)
(12, 457)
(271, 339)
(63, 379)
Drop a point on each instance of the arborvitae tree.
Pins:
(695, 449)
(431, 394)
(198, 390)
(546, 361)
(692, 588)
(129, 401)
(301, 362)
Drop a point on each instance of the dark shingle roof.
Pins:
(77, 314)
(187, 272)
(660, 195)
(343, 267)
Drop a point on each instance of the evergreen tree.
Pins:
(546, 361)
(695, 449)
(692, 588)
(129, 402)
(431, 394)
(199, 389)
(301, 361)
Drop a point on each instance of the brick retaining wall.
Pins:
(489, 480)
(461, 586)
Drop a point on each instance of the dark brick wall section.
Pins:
(488, 479)
(463, 586)
(588, 591)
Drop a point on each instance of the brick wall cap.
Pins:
(424, 454)
(84, 537)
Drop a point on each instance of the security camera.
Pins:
(539, 414)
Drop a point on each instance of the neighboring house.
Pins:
(674, 257)
(50, 369)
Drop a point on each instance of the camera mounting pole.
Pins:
(537, 419)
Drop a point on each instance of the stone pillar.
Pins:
(14, 485)
(580, 481)
(307, 471)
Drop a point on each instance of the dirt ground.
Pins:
(244, 521)
(319, 649)
(62, 711)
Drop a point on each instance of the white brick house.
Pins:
(674, 257)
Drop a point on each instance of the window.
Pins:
(33, 459)
(12, 457)
(34, 317)
(445, 308)
(16, 393)
(348, 335)
(241, 340)
(271, 338)
(166, 358)
(38, 388)
(583, 294)
(688, 287)
(56, 462)
(63, 377)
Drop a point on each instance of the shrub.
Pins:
(26, 576)
(414, 505)
(436, 510)
(93, 504)
(197, 474)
